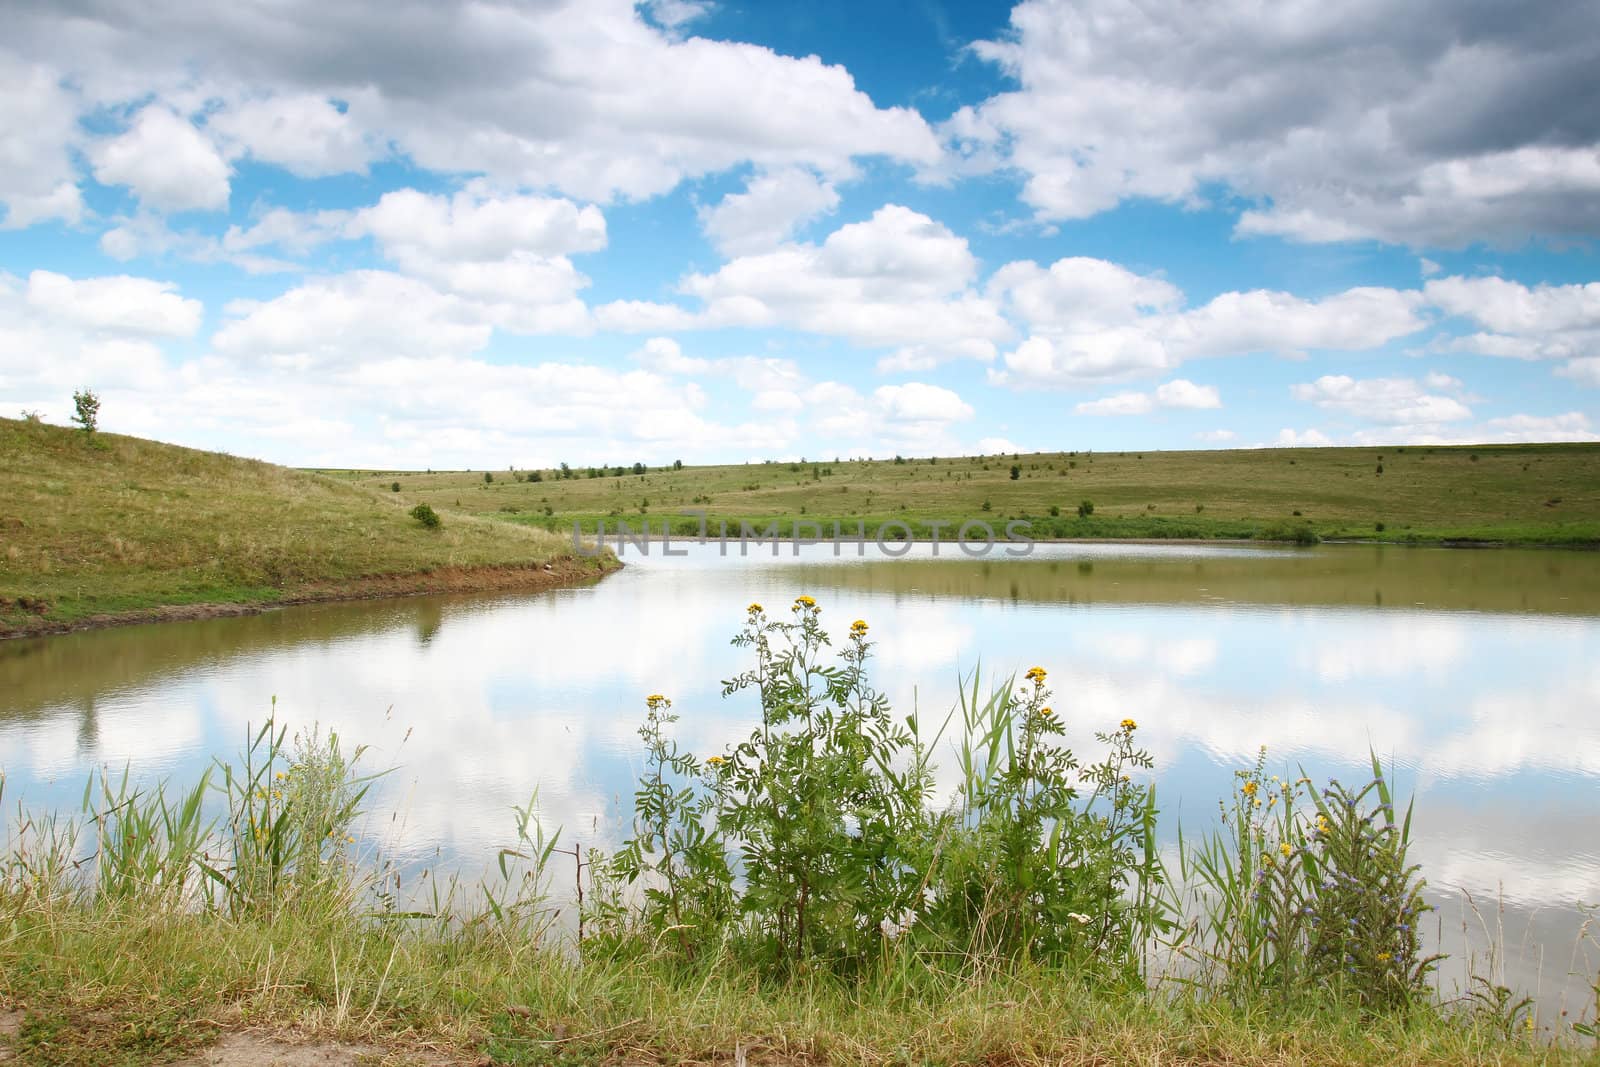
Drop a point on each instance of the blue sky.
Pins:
(430, 235)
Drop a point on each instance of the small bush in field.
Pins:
(394, 487)
(427, 516)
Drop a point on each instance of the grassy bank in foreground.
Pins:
(1516, 494)
(121, 526)
(801, 897)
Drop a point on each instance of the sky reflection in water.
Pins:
(1476, 674)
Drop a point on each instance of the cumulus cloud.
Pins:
(38, 128)
(896, 279)
(767, 213)
(1392, 401)
(1288, 438)
(665, 355)
(1542, 322)
(120, 305)
(591, 98)
(1091, 321)
(165, 161)
(1437, 124)
(1178, 393)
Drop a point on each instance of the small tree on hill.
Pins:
(87, 413)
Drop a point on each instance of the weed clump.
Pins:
(425, 514)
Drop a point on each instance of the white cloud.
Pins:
(1442, 124)
(37, 131)
(1091, 321)
(1117, 404)
(1215, 436)
(350, 319)
(919, 402)
(1391, 401)
(590, 98)
(118, 305)
(304, 133)
(1569, 426)
(1288, 438)
(1181, 393)
(417, 230)
(897, 279)
(773, 205)
(1178, 393)
(165, 161)
(1543, 322)
(994, 446)
(1585, 371)
(665, 355)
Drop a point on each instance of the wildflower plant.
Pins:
(688, 892)
(826, 801)
(1304, 890)
(1043, 856)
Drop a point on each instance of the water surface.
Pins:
(1475, 673)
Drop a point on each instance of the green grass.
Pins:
(1517, 494)
(127, 525)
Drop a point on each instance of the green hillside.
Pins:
(124, 525)
(1519, 494)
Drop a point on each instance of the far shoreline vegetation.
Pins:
(1535, 495)
(100, 529)
(1026, 917)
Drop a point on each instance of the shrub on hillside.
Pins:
(427, 516)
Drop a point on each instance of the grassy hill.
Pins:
(1519, 494)
(128, 527)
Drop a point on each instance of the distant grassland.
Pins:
(1513, 494)
(132, 526)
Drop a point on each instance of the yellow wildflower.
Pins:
(1045, 713)
(1322, 824)
(1249, 789)
(655, 701)
(754, 609)
(1284, 848)
(858, 627)
(716, 761)
(281, 776)
(1036, 675)
(349, 839)
(1384, 957)
(1129, 725)
(803, 601)
(1268, 862)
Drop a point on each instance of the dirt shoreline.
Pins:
(533, 577)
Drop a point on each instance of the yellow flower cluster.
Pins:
(805, 602)
(716, 761)
(1249, 789)
(1129, 725)
(1036, 675)
(1045, 713)
(1284, 848)
(1323, 826)
(858, 628)
(655, 701)
(754, 609)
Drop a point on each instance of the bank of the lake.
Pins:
(113, 529)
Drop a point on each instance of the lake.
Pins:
(1476, 674)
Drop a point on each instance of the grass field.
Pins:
(125, 525)
(1517, 494)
